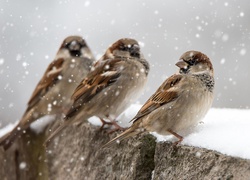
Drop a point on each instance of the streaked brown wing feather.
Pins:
(96, 80)
(164, 94)
(48, 80)
(104, 74)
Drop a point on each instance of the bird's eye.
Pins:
(123, 48)
(191, 62)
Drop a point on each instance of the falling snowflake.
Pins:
(87, 3)
(243, 52)
(1, 61)
(22, 165)
(222, 61)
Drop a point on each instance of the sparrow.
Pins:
(117, 79)
(52, 94)
(179, 103)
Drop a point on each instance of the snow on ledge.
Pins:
(223, 130)
(7, 129)
(37, 126)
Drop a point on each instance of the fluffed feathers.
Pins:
(180, 102)
(73, 61)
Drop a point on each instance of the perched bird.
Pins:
(116, 80)
(179, 103)
(52, 94)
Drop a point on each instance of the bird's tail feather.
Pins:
(53, 134)
(133, 130)
(66, 122)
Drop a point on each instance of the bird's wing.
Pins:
(166, 93)
(105, 73)
(49, 79)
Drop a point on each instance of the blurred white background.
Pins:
(32, 31)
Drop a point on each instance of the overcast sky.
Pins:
(31, 32)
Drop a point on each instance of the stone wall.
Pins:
(76, 154)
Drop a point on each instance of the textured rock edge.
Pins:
(77, 154)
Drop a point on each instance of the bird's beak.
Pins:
(182, 64)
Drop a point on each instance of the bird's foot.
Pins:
(105, 123)
(117, 127)
(176, 135)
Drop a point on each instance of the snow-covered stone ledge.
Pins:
(77, 154)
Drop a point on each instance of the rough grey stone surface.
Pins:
(26, 158)
(7, 165)
(76, 154)
(81, 157)
(183, 162)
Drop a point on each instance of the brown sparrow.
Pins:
(116, 80)
(179, 103)
(52, 94)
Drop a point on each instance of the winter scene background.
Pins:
(32, 31)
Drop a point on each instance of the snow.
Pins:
(222, 61)
(223, 130)
(243, 52)
(225, 37)
(242, 14)
(7, 129)
(22, 165)
(25, 64)
(87, 3)
(123, 119)
(18, 57)
(39, 125)
(1, 61)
